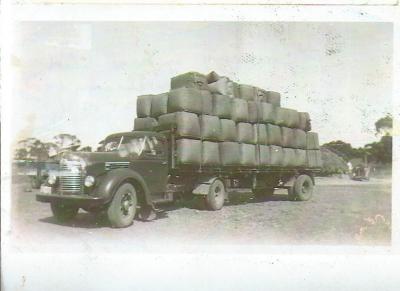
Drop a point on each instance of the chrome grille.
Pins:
(70, 176)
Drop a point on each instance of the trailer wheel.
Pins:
(216, 195)
(302, 189)
(63, 212)
(122, 209)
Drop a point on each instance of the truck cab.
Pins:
(129, 171)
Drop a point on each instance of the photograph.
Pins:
(277, 138)
(148, 137)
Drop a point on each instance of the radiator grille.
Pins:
(71, 177)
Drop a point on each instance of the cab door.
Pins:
(155, 164)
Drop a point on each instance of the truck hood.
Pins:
(94, 158)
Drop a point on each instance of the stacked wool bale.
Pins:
(220, 123)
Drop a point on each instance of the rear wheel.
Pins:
(122, 209)
(63, 212)
(216, 195)
(302, 189)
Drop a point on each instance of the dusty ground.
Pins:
(341, 212)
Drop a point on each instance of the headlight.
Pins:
(89, 181)
(52, 179)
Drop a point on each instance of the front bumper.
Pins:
(79, 200)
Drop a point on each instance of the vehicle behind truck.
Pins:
(205, 136)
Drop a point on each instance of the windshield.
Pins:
(126, 145)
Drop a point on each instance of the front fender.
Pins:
(114, 178)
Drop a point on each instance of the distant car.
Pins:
(360, 173)
(37, 172)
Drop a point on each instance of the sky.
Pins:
(83, 78)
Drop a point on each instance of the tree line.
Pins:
(35, 149)
(379, 152)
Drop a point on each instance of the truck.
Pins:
(204, 137)
(136, 171)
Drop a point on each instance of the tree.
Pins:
(344, 150)
(85, 149)
(66, 141)
(384, 125)
(31, 149)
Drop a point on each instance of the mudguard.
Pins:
(113, 179)
(203, 186)
(293, 179)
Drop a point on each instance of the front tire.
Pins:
(302, 189)
(122, 209)
(216, 195)
(64, 212)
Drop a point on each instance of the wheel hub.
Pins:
(126, 203)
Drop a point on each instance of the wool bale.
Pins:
(235, 90)
(274, 135)
(301, 158)
(266, 113)
(229, 153)
(264, 155)
(245, 133)
(274, 98)
(289, 157)
(185, 99)
(159, 105)
(143, 105)
(145, 123)
(260, 133)
(253, 111)
(222, 106)
(262, 95)
(240, 110)
(188, 152)
(228, 130)
(288, 138)
(207, 102)
(312, 141)
(247, 155)
(189, 80)
(212, 77)
(314, 158)
(210, 127)
(186, 124)
(304, 121)
(223, 86)
(300, 139)
(281, 116)
(293, 118)
(210, 154)
(275, 155)
(247, 92)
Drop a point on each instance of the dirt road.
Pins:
(341, 212)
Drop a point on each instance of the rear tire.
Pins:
(302, 189)
(216, 195)
(122, 209)
(63, 212)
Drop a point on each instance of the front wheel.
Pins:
(122, 209)
(216, 195)
(302, 189)
(64, 212)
